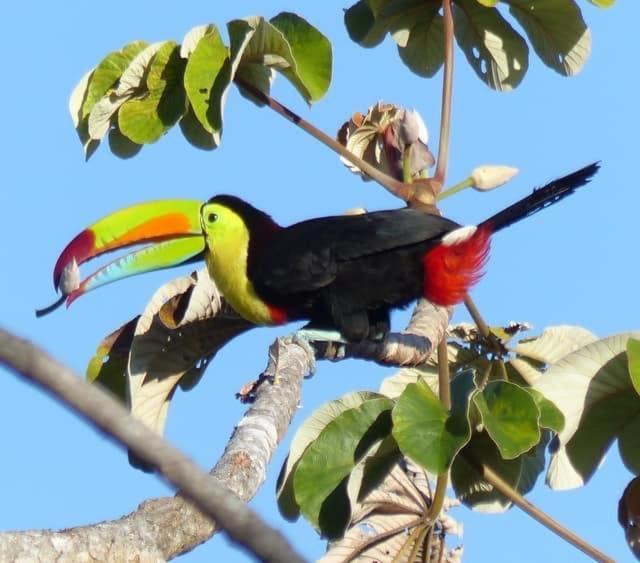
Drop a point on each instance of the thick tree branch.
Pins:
(411, 347)
(166, 527)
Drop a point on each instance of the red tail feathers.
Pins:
(450, 270)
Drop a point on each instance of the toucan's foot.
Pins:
(320, 334)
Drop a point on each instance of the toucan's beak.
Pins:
(170, 227)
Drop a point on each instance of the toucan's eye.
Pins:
(212, 217)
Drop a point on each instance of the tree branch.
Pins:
(411, 347)
(145, 532)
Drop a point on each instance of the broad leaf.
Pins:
(395, 385)
(184, 325)
(108, 367)
(146, 119)
(557, 32)
(633, 358)
(202, 72)
(602, 3)
(497, 53)
(319, 479)
(362, 26)
(478, 494)
(309, 430)
(423, 428)
(312, 54)
(554, 343)
(551, 417)
(593, 390)
(510, 417)
(389, 520)
(423, 49)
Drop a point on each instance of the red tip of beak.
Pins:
(80, 248)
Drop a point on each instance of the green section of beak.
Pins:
(171, 228)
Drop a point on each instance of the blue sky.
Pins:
(574, 264)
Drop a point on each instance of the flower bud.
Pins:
(490, 176)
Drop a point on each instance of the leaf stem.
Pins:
(447, 95)
(455, 189)
(514, 496)
(400, 189)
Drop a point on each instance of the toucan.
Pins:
(343, 272)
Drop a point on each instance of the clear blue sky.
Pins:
(574, 264)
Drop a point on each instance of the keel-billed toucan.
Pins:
(344, 272)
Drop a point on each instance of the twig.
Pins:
(504, 488)
(399, 189)
(106, 414)
(447, 96)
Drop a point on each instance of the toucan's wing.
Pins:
(308, 255)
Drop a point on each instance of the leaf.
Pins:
(107, 74)
(371, 469)
(471, 488)
(602, 3)
(182, 328)
(109, 364)
(319, 477)
(423, 428)
(629, 515)
(309, 430)
(633, 358)
(130, 84)
(204, 84)
(395, 385)
(362, 26)
(195, 133)
(122, 146)
(593, 390)
(311, 51)
(510, 417)
(145, 120)
(557, 32)
(387, 521)
(193, 37)
(497, 53)
(550, 416)
(423, 51)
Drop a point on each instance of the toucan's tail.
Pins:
(542, 197)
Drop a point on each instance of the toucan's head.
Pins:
(172, 232)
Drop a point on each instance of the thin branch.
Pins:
(399, 189)
(514, 496)
(447, 96)
(109, 416)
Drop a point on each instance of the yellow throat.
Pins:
(227, 238)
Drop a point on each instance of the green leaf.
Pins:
(146, 119)
(195, 133)
(424, 49)
(312, 54)
(510, 416)
(488, 3)
(319, 481)
(362, 26)
(108, 72)
(633, 359)
(395, 385)
(550, 416)
(557, 32)
(423, 428)
(470, 488)
(602, 3)
(204, 84)
(309, 430)
(497, 53)
(593, 390)
(372, 468)
(108, 366)
(122, 146)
